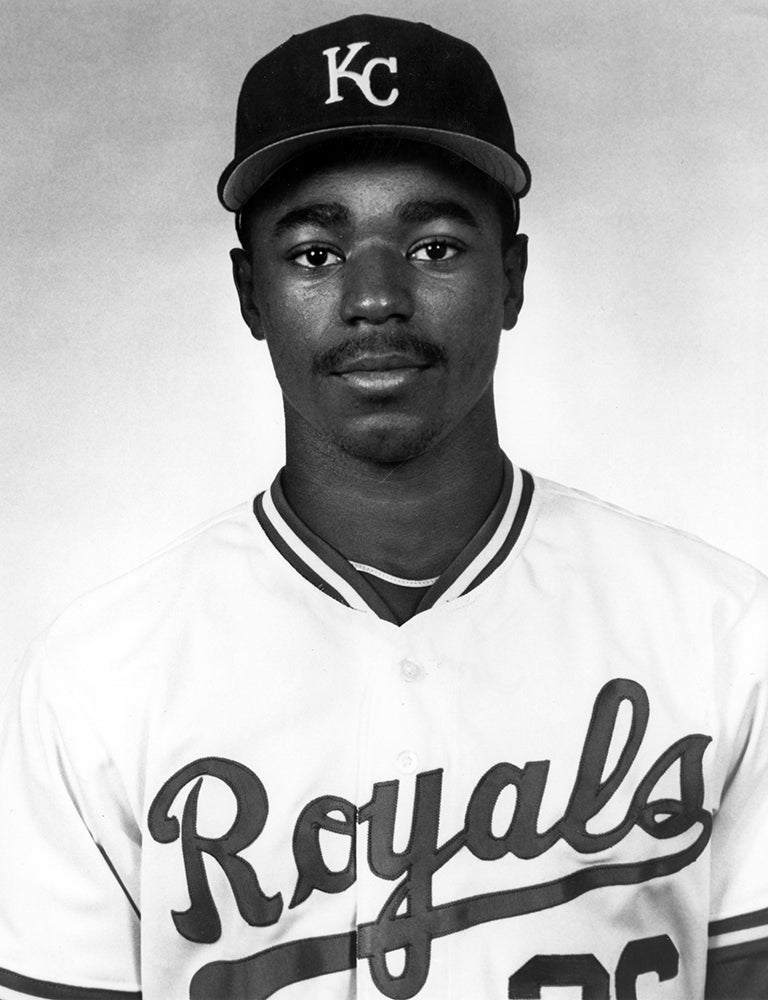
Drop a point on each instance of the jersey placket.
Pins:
(401, 760)
(405, 738)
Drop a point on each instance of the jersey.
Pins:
(228, 775)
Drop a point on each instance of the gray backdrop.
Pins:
(134, 402)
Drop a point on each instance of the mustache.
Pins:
(422, 350)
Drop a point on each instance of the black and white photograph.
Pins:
(384, 607)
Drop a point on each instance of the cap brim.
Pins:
(240, 181)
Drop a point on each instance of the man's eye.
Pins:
(314, 257)
(434, 250)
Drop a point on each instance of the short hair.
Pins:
(368, 147)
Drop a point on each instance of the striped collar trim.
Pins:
(328, 570)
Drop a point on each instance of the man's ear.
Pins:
(242, 273)
(515, 264)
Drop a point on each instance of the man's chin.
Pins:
(389, 445)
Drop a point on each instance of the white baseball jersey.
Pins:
(229, 774)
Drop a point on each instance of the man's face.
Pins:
(381, 289)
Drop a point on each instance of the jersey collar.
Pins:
(328, 570)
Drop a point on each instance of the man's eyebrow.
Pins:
(442, 208)
(320, 214)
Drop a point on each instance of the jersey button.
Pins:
(407, 761)
(410, 670)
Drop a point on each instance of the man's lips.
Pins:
(379, 351)
(370, 362)
(381, 374)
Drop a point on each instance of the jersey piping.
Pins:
(739, 936)
(26, 987)
(330, 572)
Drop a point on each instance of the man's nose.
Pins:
(377, 287)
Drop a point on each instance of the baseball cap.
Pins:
(370, 74)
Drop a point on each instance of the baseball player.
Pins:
(414, 722)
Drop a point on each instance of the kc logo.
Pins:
(362, 79)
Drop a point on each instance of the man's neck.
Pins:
(409, 519)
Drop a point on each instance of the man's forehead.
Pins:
(338, 215)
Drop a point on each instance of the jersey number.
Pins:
(655, 954)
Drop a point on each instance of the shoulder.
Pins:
(608, 536)
(214, 546)
(655, 590)
(601, 525)
(129, 629)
